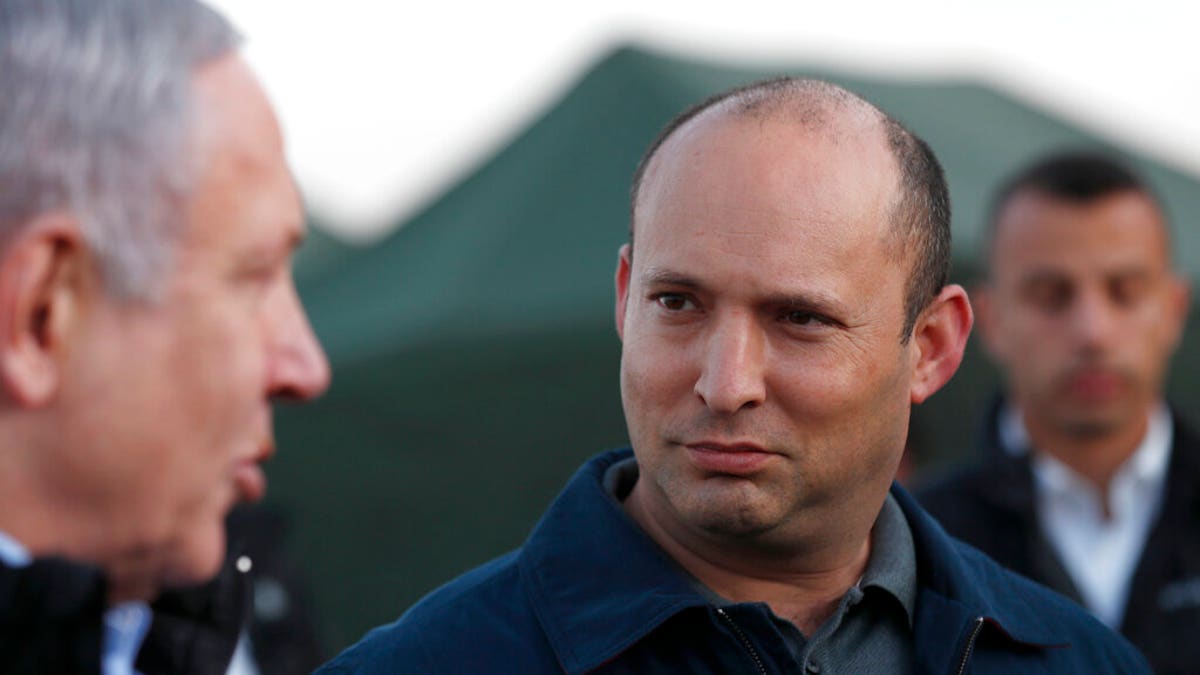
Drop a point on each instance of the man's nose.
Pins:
(1094, 319)
(298, 368)
(733, 365)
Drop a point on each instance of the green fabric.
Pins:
(475, 363)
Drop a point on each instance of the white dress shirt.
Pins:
(125, 625)
(1099, 553)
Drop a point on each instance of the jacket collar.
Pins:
(1010, 477)
(1182, 498)
(959, 585)
(597, 582)
(51, 590)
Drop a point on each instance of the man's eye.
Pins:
(801, 317)
(673, 301)
(1050, 297)
(1126, 292)
(1053, 301)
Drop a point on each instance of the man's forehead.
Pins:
(821, 177)
(798, 119)
(245, 197)
(1117, 229)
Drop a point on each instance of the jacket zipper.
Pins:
(745, 642)
(962, 663)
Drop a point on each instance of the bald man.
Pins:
(781, 304)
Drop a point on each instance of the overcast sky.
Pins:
(385, 104)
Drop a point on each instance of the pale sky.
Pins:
(385, 104)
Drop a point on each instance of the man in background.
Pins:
(782, 303)
(1089, 482)
(147, 321)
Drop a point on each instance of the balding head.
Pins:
(920, 211)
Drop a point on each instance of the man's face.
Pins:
(173, 398)
(763, 377)
(1082, 310)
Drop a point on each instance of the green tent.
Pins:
(474, 356)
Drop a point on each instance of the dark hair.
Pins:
(920, 217)
(1073, 176)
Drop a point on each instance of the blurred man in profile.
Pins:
(147, 317)
(1089, 483)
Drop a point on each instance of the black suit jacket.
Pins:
(51, 618)
(51, 613)
(991, 506)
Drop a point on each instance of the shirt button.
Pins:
(812, 667)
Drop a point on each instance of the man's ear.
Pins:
(624, 267)
(1179, 303)
(940, 337)
(39, 288)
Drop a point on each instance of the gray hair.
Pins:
(95, 120)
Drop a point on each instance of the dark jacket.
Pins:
(51, 618)
(51, 613)
(990, 505)
(591, 593)
(52, 621)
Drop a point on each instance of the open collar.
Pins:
(597, 582)
(976, 586)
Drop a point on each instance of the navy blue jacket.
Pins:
(590, 592)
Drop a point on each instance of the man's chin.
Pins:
(197, 561)
(1093, 424)
(736, 510)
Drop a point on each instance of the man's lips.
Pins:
(737, 459)
(248, 476)
(1094, 384)
(250, 481)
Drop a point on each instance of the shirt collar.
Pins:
(1147, 464)
(892, 566)
(599, 584)
(125, 625)
(12, 553)
(1014, 439)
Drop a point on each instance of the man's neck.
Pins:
(128, 572)
(1097, 457)
(804, 587)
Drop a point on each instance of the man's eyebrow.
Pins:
(1040, 275)
(810, 301)
(1049, 273)
(814, 301)
(660, 277)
